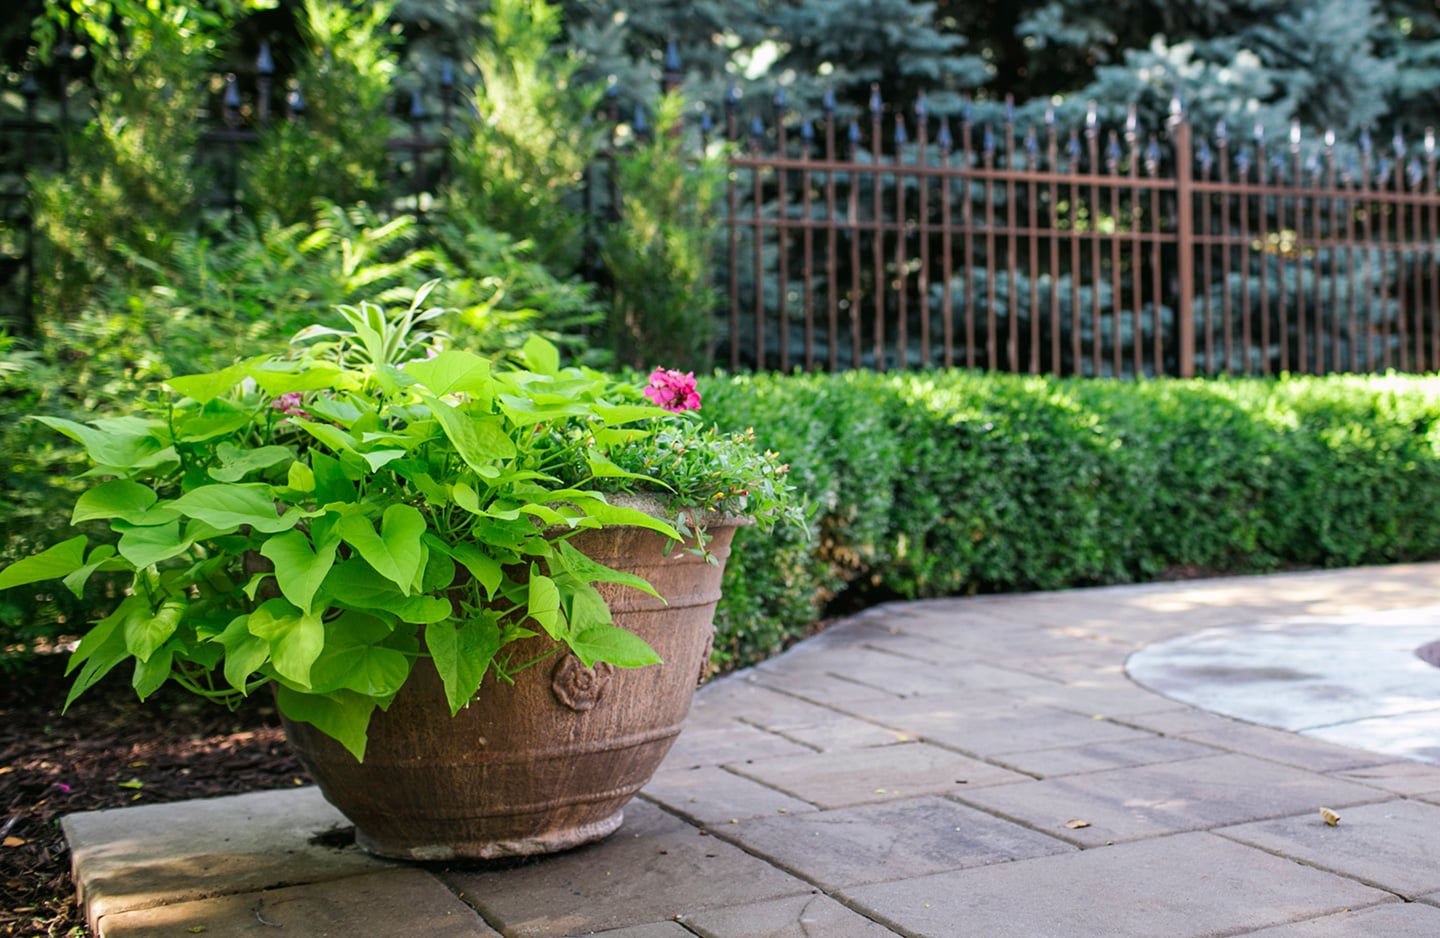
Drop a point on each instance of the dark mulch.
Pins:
(109, 751)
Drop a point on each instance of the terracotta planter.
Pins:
(550, 762)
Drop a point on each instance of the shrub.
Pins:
(953, 482)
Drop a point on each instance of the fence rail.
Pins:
(1079, 253)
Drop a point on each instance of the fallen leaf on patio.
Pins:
(1075, 824)
(1330, 817)
(133, 783)
(14, 841)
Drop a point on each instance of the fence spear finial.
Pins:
(1295, 135)
(922, 106)
(1092, 118)
(944, 138)
(1329, 138)
(901, 137)
(1429, 142)
(295, 103)
(876, 104)
(1397, 143)
(827, 102)
(1366, 145)
(1222, 132)
(264, 62)
(1009, 109)
(447, 74)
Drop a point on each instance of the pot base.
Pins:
(455, 849)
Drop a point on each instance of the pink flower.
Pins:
(673, 391)
(289, 404)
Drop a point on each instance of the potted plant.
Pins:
(461, 579)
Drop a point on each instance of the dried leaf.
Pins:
(1329, 817)
(15, 841)
(6, 769)
(1075, 824)
(133, 783)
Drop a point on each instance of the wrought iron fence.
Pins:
(1087, 251)
(1075, 252)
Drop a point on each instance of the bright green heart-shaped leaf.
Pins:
(124, 446)
(548, 515)
(299, 568)
(355, 585)
(278, 378)
(342, 715)
(51, 563)
(103, 647)
(147, 544)
(480, 441)
(614, 645)
(145, 633)
(228, 506)
(481, 565)
(540, 355)
(591, 571)
(216, 418)
(395, 552)
(128, 501)
(453, 372)
(544, 603)
(296, 638)
(584, 606)
(602, 468)
(245, 651)
(206, 387)
(606, 513)
(462, 654)
(300, 477)
(365, 669)
(616, 414)
(333, 437)
(380, 457)
(331, 483)
(101, 556)
(237, 463)
(152, 672)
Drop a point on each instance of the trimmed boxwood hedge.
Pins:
(944, 483)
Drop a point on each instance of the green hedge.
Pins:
(947, 483)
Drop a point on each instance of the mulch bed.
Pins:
(109, 751)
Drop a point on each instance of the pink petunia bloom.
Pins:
(289, 404)
(672, 390)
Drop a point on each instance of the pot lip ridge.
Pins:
(655, 507)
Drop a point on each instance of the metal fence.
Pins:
(1089, 251)
(1076, 252)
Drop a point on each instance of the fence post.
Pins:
(1184, 243)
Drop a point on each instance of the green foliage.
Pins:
(658, 255)
(336, 150)
(132, 181)
(521, 166)
(304, 520)
(945, 483)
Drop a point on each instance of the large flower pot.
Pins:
(550, 762)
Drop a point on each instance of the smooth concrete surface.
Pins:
(983, 767)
